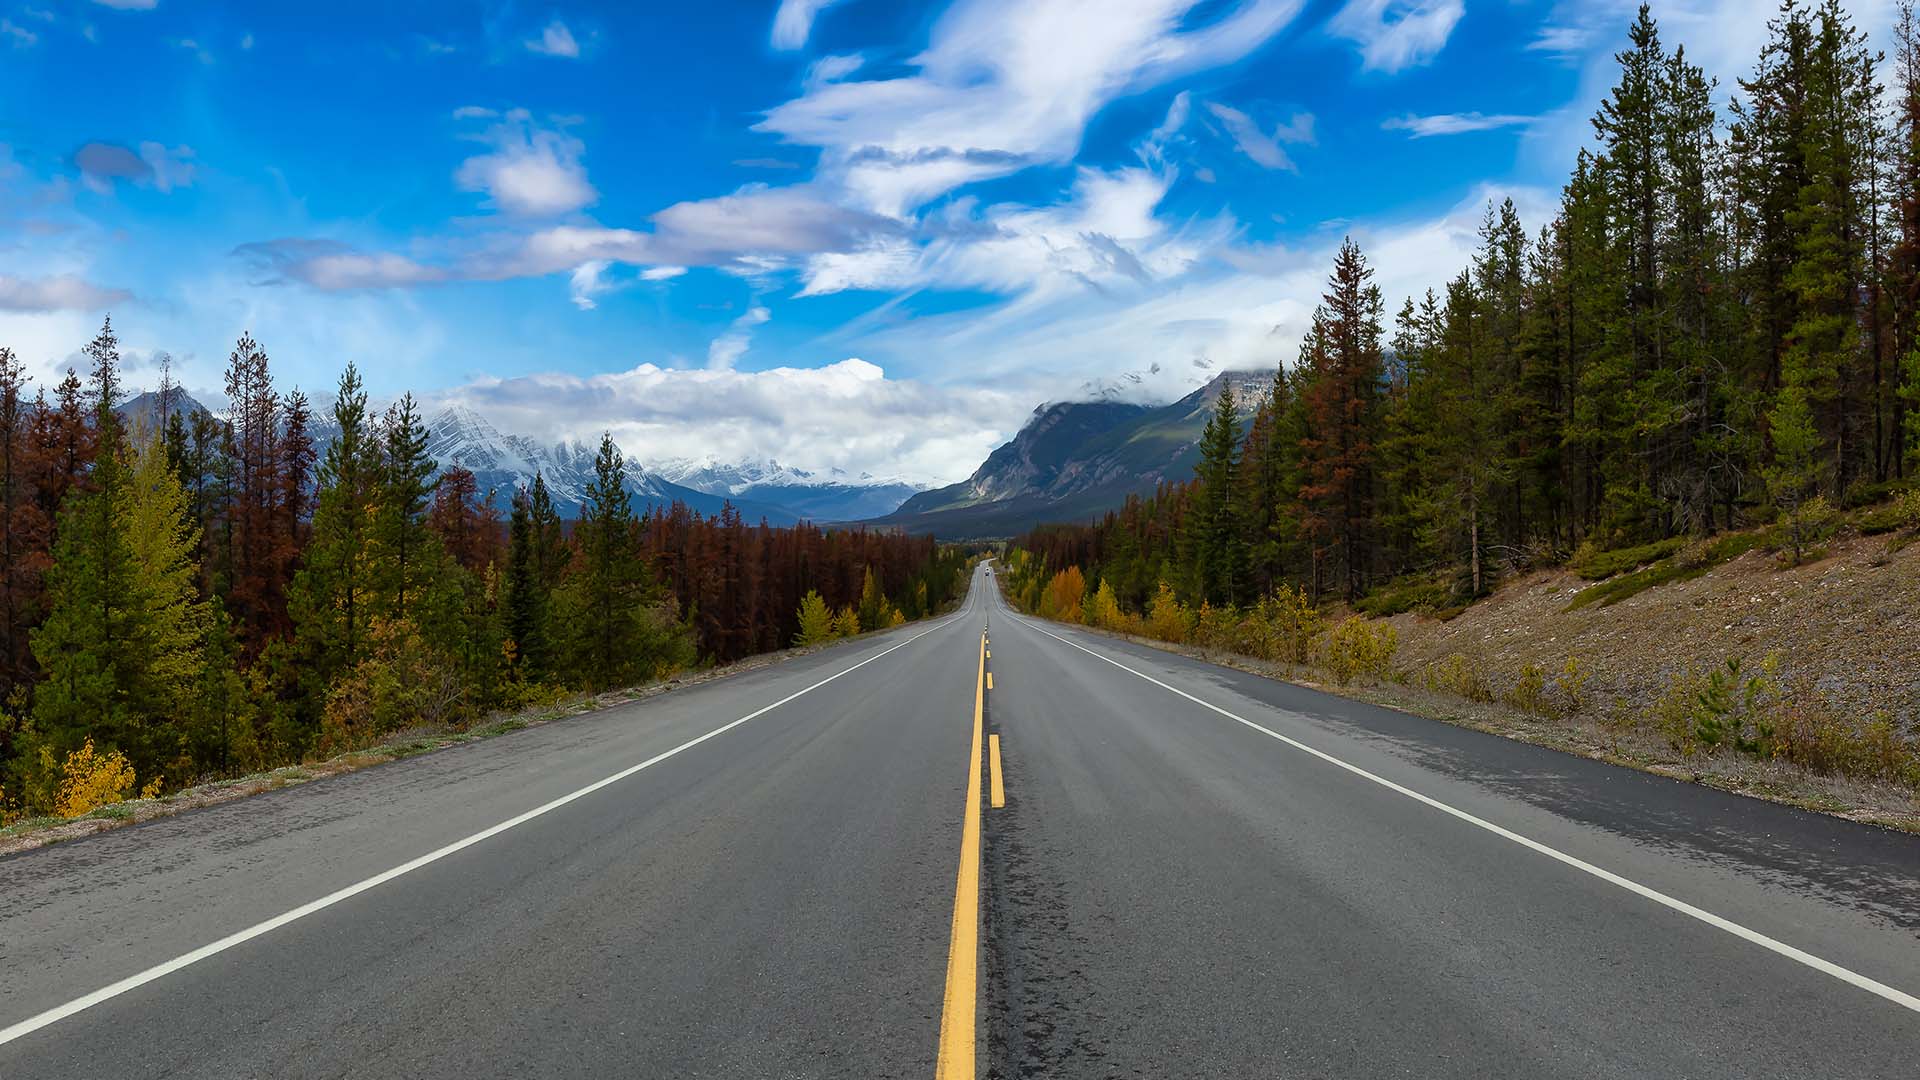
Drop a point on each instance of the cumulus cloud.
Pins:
(846, 415)
(1264, 149)
(531, 171)
(1005, 84)
(729, 347)
(61, 292)
(1397, 34)
(794, 21)
(154, 165)
(1421, 127)
(555, 40)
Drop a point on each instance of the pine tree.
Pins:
(409, 557)
(333, 594)
(122, 645)
(1794, 477)
(526, 598)
(1220, 550)
(1346, 357)
(621, 631)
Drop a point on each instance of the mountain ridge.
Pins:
(1073, 461)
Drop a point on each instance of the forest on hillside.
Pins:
(219, 595)
(1719, 329)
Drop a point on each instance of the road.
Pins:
(1194, 873)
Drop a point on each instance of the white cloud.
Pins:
(1004, 85)
(19, 36)
(1263, 148)
(1397, 34)
(729, 347)
(246, 42)
(588, 282)
(794, 21)
(1421, 127)
(531, 172)
(846, 415)
(129, 5)
(555, 40)
(662, 273)
(1246, 309)
(61, 292)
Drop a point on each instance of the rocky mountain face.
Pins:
(1074, 461)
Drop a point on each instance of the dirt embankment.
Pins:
(1845, 629)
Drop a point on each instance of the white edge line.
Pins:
(1828, 967)
(131, 982)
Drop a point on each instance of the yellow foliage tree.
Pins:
(1065, 593)
(91, 779)
(1105, 612)
(1167, 618)
(847, 623)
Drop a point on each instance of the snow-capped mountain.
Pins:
(460, 436)
(823, 495)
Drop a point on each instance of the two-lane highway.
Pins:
(985, 846)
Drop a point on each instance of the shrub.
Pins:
(1818, 739)
(847, 623)
(1529, 692)
(1357, 647)
(1167, 618)
(1281, 627)
(1215, 628)
(1803, 527)
(1572, 682)
(90, 780)
(401, 684)
(1458, 675)
(1729, 706)
(1105, 612)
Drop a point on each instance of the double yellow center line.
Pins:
(958, 1019)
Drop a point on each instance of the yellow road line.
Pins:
(993, 770)
(958, 1016)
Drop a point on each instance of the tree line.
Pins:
(1719, 328)
(199, 596)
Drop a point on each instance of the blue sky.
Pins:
(863, 234)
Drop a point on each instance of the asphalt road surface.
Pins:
(808, 870)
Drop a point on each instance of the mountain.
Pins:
(142, 412)
(458, 435)
(1073, 461)
(829, 495)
